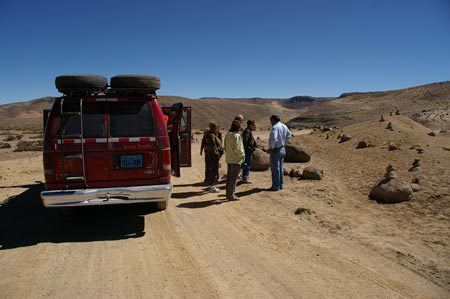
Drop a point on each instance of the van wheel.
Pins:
(161, 205)
(69, 84)
(135, 83)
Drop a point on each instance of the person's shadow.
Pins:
(220, 200)
(24, 221)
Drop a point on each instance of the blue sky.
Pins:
(233, 48)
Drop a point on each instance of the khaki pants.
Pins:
(233, 171)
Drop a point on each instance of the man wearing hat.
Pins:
(278, 137)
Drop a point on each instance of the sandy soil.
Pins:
(206, 247)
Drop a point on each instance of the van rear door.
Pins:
(185, 138)
(83, 155)
(133, 152)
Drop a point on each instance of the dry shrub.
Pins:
(27, 146)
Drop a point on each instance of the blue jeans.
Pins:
(248, 161)
(276, 166)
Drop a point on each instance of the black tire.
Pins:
(135, 83)
(69, 84)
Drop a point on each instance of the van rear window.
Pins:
(93, 120)
(130, 119)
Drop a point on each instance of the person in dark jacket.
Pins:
(211, 145)
(249, 148)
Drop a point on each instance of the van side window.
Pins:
(130, 119)
(93, 120)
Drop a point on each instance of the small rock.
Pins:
(397, 112)
(312, 173)
(5, 145)
(345, 138)
(389, 126)
(390, 172)
(300, 211)
(363, 144)
(392, 146)
(415, 165)
(415, 187)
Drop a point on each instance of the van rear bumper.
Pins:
(106, 196)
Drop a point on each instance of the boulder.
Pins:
(261, 160)
(295, 172)
(312, 173)
(391, 191)
(295, 153)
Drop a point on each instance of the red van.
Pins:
(112, 144)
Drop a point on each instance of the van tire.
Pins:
(135, 83)
(70, 84)
(161, 205)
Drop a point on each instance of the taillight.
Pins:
(48, 164)
(165, 161)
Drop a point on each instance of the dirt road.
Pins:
(201, 247)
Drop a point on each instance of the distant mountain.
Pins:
(27, 115)
(428, 104)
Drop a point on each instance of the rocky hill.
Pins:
(428, 104)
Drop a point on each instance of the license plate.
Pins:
(131, 161)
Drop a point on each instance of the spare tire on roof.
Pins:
(69, 84)
(135, 83)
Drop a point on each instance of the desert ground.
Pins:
(343, 245)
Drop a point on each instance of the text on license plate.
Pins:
(131, 161)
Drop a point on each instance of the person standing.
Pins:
(234, 156)
(278, 137)
(240, 118)
(249, 147)
(211, 145)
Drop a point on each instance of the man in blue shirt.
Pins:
(278, 137)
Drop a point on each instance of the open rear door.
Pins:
(185, 138)
(179, 130)
(45, 114)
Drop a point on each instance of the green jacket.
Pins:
(211, 143)
(234, 148)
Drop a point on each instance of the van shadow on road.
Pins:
(24, 221)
